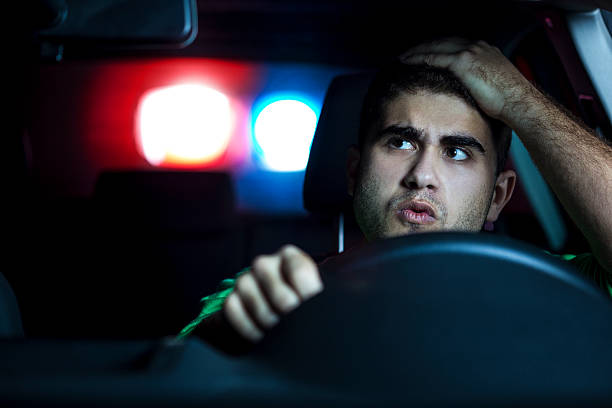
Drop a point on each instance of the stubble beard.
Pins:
(376, 218)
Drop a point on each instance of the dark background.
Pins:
(82, 267)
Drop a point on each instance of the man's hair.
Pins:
(398, 78)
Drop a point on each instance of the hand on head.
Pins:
(493, 81)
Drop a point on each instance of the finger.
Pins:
(444, 46)
(238, 318)
(254, 301)
(267, 271)
(435, 60)
(301, 272)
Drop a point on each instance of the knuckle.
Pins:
(255, 302)
(288, 249)
(263, 262)
(286, 301)
(306, 280)
(302, 270)
(259, 261)
(231, 305)
(244, 284)
(292, 254)
(266, 275)
(250, 295)
(234, 312)
(262, 311)
(267, 318)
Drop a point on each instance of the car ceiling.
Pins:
(340, 31)
(357, 33)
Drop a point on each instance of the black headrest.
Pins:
(167, 200)
(325, 184)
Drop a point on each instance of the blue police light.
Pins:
(283, 133)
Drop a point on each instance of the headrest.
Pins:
(167, 201)
(325, 184)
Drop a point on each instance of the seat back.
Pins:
(166, 240)
(325, 185)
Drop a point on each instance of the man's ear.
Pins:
(352, 167)
(504, 187)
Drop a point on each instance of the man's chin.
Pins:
(409, 229)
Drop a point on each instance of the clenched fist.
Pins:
(275, 285)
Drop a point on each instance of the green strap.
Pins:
(212, 303)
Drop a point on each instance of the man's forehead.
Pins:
(435, 116)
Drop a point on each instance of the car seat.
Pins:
(10, 318)
(166, 239)
(325, 182)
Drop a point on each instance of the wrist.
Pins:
(522, 106)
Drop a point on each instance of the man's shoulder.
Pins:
(589, 267)
(585, 260)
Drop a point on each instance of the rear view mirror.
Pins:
(123, 24)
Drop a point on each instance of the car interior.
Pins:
(114, 233)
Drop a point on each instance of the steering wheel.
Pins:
(449, 318)
(432, 319)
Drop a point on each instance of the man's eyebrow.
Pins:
(405, 131)
(462, 140)
(410, 132)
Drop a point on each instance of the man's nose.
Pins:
(422, 172)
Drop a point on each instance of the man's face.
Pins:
(428, 165)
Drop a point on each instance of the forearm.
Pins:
(574, 161)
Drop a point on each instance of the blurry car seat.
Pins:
(49, 269)
(166, 239)
(10, 318)
(325, 183)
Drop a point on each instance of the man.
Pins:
(430, 158)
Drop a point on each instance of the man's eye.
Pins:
(401, 144)
(457, 154)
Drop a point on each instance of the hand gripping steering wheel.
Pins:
(449, 318)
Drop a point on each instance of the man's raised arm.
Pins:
(574, 161)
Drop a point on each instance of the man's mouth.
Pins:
(417, 212)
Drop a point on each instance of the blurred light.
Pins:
(186, 124)
(283, 133)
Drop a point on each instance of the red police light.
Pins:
(184, 125)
